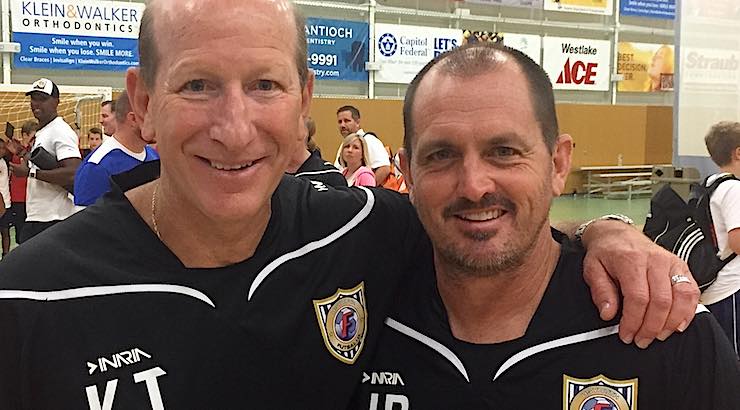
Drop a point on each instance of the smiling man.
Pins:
(504, 314)
(214, 287)
(47, 201)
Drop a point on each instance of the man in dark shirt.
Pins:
(224, 283)
(503, 319)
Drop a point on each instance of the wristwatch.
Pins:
(32, 173)
(614, 217)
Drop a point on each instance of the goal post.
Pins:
(79, 106)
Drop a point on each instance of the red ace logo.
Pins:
(578, 73)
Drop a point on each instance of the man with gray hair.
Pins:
(504, 319)
(236, 296)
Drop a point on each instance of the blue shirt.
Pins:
(92, 178)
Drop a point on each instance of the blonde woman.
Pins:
(354, 159)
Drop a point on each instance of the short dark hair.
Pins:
(95, 130)
(354, 111)
(149, 54)
(123, 107)
(111, 103)
(477, 58)
(722, 139)
(29, 126)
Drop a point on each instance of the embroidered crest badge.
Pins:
(342, 320)
(599, 393)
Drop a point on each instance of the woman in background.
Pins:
(354, 160)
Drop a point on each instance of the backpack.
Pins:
(687, 230)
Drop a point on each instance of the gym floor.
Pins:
(575, 208)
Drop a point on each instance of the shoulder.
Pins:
(60, 128)
(55, 259)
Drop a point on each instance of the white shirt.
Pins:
(376, 152)
(725, 207)
(47, 202)
(4, 183)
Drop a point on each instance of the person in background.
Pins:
(348, 122)
(20, 148)
(117, 154)
(47, 199)
(5, 211)
(94, 138)
(108, 117)
(354, 160)
(722, 297)
(308, 164)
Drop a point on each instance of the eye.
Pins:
(504, 151)
(195, 86)
(440, 155)
(266, 85)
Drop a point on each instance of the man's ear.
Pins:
(306, 99)
(138, 95)
(561, 161)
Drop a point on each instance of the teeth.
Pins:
(226, 167)
(483, 216)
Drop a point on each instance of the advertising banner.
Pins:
(71, 35)
(710, 68)
(337, 49)
(577, 63)
(659, 9)
(603, 7)
(402, 51)
(511, 3)
(646, 67)
(529, 44)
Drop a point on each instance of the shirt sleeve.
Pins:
(66, 146)
(91, 182)
(729, 205)
(705, 366)
(376, 153)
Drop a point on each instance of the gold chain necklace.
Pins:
(154, 211)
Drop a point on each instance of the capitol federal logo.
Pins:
(342, 321)
(387, 44)
(599, 393)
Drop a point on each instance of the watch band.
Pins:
(614, 217)
(32, 173)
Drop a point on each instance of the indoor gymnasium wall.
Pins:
(641, 134)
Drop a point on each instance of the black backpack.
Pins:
(687, 229)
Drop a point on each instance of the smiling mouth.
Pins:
(482, 216)
(228, 167)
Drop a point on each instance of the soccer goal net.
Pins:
(79, 106)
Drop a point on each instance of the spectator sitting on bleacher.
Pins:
(723, 296)
(118, 153)
(354, 160)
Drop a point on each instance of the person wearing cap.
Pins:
(47, 201)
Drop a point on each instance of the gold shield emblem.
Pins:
(599, 393)
(343, 322)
